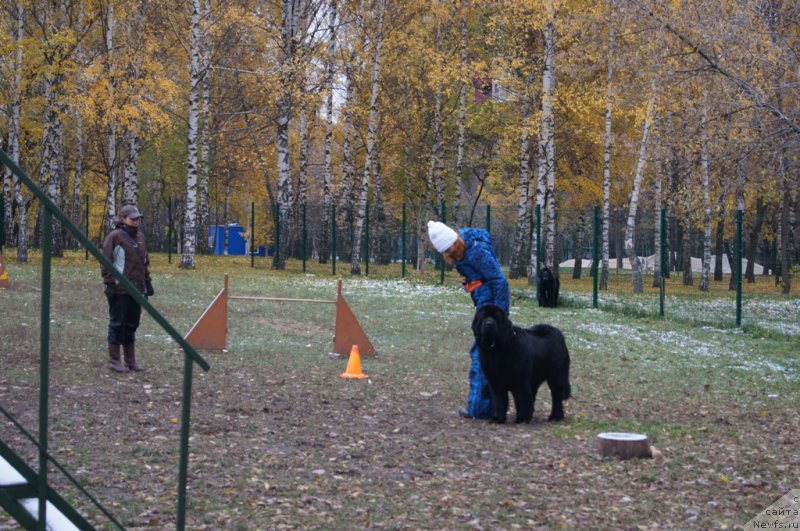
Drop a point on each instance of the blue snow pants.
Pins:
(480, 398)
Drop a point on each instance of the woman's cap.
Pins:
(129, 211)
(442, 237)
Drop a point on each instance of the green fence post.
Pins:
(44, 366)
(403, 249)
(488, 218)
(2, 222)
(663, 266)
(183, 465)
(333, 240)
(277, 256)
(441, 257)
(252, 234)
(86, 225)
(738, 258)
(595, 254)
(305, 238)
(366, 241)
(538, 238)
(169, 230)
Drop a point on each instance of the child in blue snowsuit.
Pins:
(471, 251)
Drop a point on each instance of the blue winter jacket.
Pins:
(480, 263)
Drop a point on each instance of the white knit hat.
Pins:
(442, 236)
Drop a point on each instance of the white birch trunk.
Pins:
(13, 139)
(130, 175)
(657, 192)
(206, 115)
(52, 165)
(462, 120)
(305, 127)
(353, 66)
(189, 246)
(538, 206)
(289, 13)
(327, 180)
(8, 222)
(381, 249)
(77, 180)
(302, 181)
(51, 170)
(630, 249)
(607, 141)
(520, 250)
(548, 140)
(372, 133)
(111, 141)
(345, 199)
(704, 162)
(434, 180)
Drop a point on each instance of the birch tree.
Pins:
(130, 168)
(657, 200)
(435, 181)
(372, 133)
(77, 179)
(520, 252)
(327, 180)
(52, 165)
(355, 36)
(548, 147)
(607, 140)
(462, 118)
(206, 115)
(290, 13)
(189, 246)
(14, 140)
(630, 248)
(706, 186)
(111, 138)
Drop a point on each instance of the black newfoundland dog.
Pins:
(519, 360)
(547, 288)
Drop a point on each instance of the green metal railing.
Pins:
(190, 358)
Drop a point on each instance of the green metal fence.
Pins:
(190, 355)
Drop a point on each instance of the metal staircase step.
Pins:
(56, 520)
(9, 475)
(19, 497)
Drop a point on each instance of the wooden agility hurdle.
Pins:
(210, 331)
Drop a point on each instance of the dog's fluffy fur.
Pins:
(547, 288)
(518, 361)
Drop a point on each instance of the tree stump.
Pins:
(624, 445)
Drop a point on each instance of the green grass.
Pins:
(279, 440)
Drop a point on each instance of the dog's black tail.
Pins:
(567, 392)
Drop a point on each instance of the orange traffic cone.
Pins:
(353, 365)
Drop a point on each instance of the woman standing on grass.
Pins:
(471, 251)
(126, 249)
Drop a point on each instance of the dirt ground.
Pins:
(285, 443)
(279, 441)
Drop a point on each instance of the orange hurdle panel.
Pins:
(348, 331)
(210, 332)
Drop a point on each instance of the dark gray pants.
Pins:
(124, 313)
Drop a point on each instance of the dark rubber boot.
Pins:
(114, 362)
(130, 358)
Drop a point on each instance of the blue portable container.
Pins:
(237, 244)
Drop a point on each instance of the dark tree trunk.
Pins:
(752, 242)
